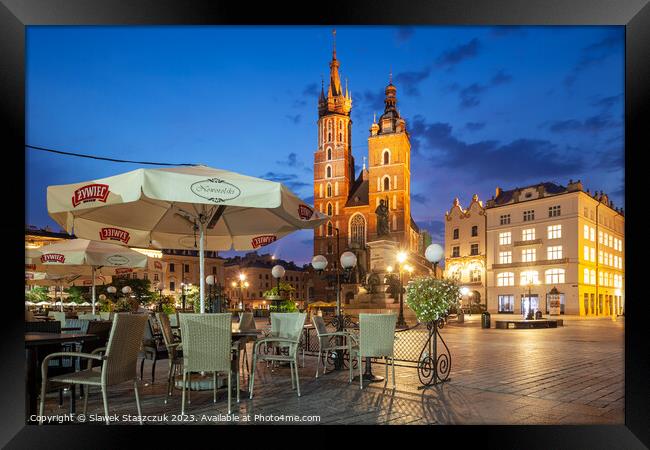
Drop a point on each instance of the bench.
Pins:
(528, 324)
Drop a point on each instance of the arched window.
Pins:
(387, 184)
(329, 209)
(329, 136)
(358, 230)
(329, 153)
(386, 157)
(330, 229)
(340, 137)
(329, 190)
(328, 172)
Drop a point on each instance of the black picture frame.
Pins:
(15, 15)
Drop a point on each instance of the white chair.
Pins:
(326, 343)
(376, 339)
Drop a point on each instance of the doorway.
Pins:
(529, 304)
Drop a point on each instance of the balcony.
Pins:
(541, 262)
(531, 242)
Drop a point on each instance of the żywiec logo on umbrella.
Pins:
(117, 260)
(123, 270)
(305, 212)
(114, 234)
(90, 193)
(53, 258)
(261, 241)
(216, 190)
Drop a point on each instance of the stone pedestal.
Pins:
(383, 253)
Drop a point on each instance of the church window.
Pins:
(329, 153)
(328, 172)
(394, 222)
(329, 136)
(340, 137)
(358, 230)
(336, 188)
(386, 157)
(329, 209)
(387, 184)
(330, 229)
(394, 181)
(329, 190)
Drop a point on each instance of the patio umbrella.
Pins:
(77, 253)
(180, 206)
(28, 303)
(43, 303)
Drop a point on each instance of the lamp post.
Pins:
(160, 287)
(111, 290)
(530, 282)
(209, 280)
(401, 266)
(348, 260)
(241, 284)
(183, 295)
(278, 272)
(434, 254)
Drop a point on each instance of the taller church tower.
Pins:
(333, 162)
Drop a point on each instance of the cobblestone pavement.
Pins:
(568, 375)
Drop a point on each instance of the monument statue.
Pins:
(382, 219)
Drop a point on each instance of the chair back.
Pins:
(50, 326)
(319, 324)
(377, 334)
(77, 323)
(58, 315)
(165, 328)
(173, 319)
(246, 321)
(106, 315)
(102, 330)
(124, 342)
(88, 316)
(207, 341)
(288, 325)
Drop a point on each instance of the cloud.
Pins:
(290, 180)
(294, 118)
(595, 53)
(593, 124)
(291, 161)
(404, 34)
(500, 78)
(519, 159)
(409, 81)
(610, 160)
(457, 54)
(309, 94)
(606, 103)
(470, 95)
(475, 126)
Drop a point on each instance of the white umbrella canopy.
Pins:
(181, 207)
(75, 254)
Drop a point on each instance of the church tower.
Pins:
(333, 162)
(389, 172)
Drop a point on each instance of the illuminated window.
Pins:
(529, 276)
(473, 249)
(592, 252)
(505, 238)
(592, 276)
(528, 234)
(475, 275)
(505, 257)
(506, 303)
(554, 276)
(600, 237)
(600, 256)
(585, 276)
(554, 231)
(506, 279)
(554, 252)
(529, 215)
(611, 240)
(585, 234)
(592, 234)
(455, 233)
(529, 255)
(600, 277)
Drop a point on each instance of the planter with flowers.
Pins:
(431, 299)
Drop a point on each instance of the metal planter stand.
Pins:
(434, 367)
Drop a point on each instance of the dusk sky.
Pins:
(485, 106)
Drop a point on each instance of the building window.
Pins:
(455, 233)
(600, 237)
(328, 172)
(386, 157)
(554, 231)
(505, 257)
(529, 215)
(592, 234)
(504, 219)
(585, 232)
(455, 275)
(329, 190)
(329, 153)
(592, 276)
(528, 255)
(329, 209)
(586, 253)
(554, 211)
(155, 277)
(505, 238)
(145, 276)
(506, 279)
(586, 212)
(172, 268)
(475, 230)
(529, 277)
(172, 286)
(330, 229)
(186, 268)
(554, 252)
(475, 275)
(506, 303)
(358, 230)
(528, 234)
(585, 276)
(455, 252)
(473, 249)
(554, 276)
(387, 184)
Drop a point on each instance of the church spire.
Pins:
(336, 100)
(335, 81)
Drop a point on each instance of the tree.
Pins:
(37, 294)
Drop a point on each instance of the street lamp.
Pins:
(434, 254)
(530, 281)
(278, 272)
(160, 287)
(209, 280)
(183, 295)
(401, 267)
(241, 284)
(111, 290)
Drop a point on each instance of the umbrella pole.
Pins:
(61, 296)
(202, 268)
(93, 289)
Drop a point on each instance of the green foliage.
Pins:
(78, 294)
(37, 294)
(284, 306)
(285, 288)
(106, 306)
(125, 304)
(168, 308)
(431, 298)
(139, 287)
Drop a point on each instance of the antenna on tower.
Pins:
(390, 75)
(334, 42)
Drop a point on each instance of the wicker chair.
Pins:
(174, 352)
(88, 316)
(207, 346)
(246, 322)
(106, 315)
(118, 362)
(326, 343)
(376, 339)
(289, 331)
(152, 348)
(50, 326)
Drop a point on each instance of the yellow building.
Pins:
(549, 236)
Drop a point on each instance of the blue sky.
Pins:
(485, 106)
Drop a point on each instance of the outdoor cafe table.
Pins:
(32, 343)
